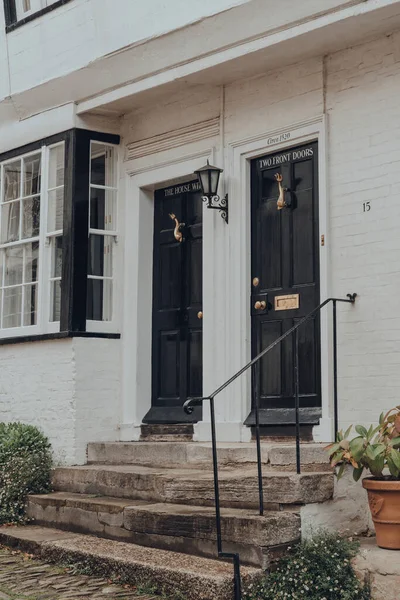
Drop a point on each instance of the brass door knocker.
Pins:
(282, 190)
(178, 235)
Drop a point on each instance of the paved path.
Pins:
(25, 578)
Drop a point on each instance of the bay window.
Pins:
(58, 230)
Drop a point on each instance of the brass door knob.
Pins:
(200, 314)
(260, 305)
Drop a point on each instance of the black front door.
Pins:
(285, 276)
(177, 371)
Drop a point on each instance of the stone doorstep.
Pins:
(381, 568)
(238, 487)
(195, 578)
(199, 455)
(188, 529)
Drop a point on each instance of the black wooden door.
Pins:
(285, 276)
(177, 303)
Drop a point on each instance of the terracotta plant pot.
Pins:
(384, 502)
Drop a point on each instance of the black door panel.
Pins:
(284, 251)
(177, 369)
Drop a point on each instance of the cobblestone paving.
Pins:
(25, 578)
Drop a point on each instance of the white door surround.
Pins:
(239, 155)
(138, 274)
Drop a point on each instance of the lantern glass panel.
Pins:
(205, 182)
(214, 181)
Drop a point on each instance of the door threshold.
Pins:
(172, 415)
(167, 433)
(284, 417)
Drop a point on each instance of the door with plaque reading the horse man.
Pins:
(285, 285)
(177, 367)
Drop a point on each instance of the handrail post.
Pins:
(297, 399)
(256, 391)
(216, 482)
(235, 557)
(335, 373)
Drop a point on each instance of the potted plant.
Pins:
(376, 450)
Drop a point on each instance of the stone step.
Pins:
(196, 454)
(238, 487)
(171, 573)
(188, 529)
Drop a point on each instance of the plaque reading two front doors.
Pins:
(285, 276)
(177, 369)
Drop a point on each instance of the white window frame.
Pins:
(35, 6)
(43, 324)
(95, 326)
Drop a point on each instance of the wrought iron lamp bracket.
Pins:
(217, 203)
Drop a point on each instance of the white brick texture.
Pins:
(363, 84)
(68, 388)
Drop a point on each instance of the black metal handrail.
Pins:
(192, 402)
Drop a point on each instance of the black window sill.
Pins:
(10, 26)
(58, 336)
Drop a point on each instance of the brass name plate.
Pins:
(290, 302)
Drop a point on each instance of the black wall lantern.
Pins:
(208, 177)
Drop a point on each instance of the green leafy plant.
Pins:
(377, 449)
(318, 569)
(25, 466)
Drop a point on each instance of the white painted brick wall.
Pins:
(274, 100)
(37, 387)
(97, 392)
(363, 84)
(68, 388)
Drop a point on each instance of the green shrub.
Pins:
(318, 569)
(25, 464)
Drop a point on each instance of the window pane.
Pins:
(55, 300)
(99, 300)
(56, 256)
(100, 255)
(10, 222)
(30, 217)
(31, 262)
(12, 300)
(55, 210)
(56, 166)
(30, 304)
(12, 181)
(102, 209)
(32, 175)
(102, 169)
(13, 266)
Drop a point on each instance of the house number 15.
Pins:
(366, 206)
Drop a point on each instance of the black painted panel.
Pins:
(271, 363)
(177, 299)
(195, 363)
(170, 269)
(284, 256)
(169, 364)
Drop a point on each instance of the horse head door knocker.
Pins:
(178, 235)
(281, 203)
